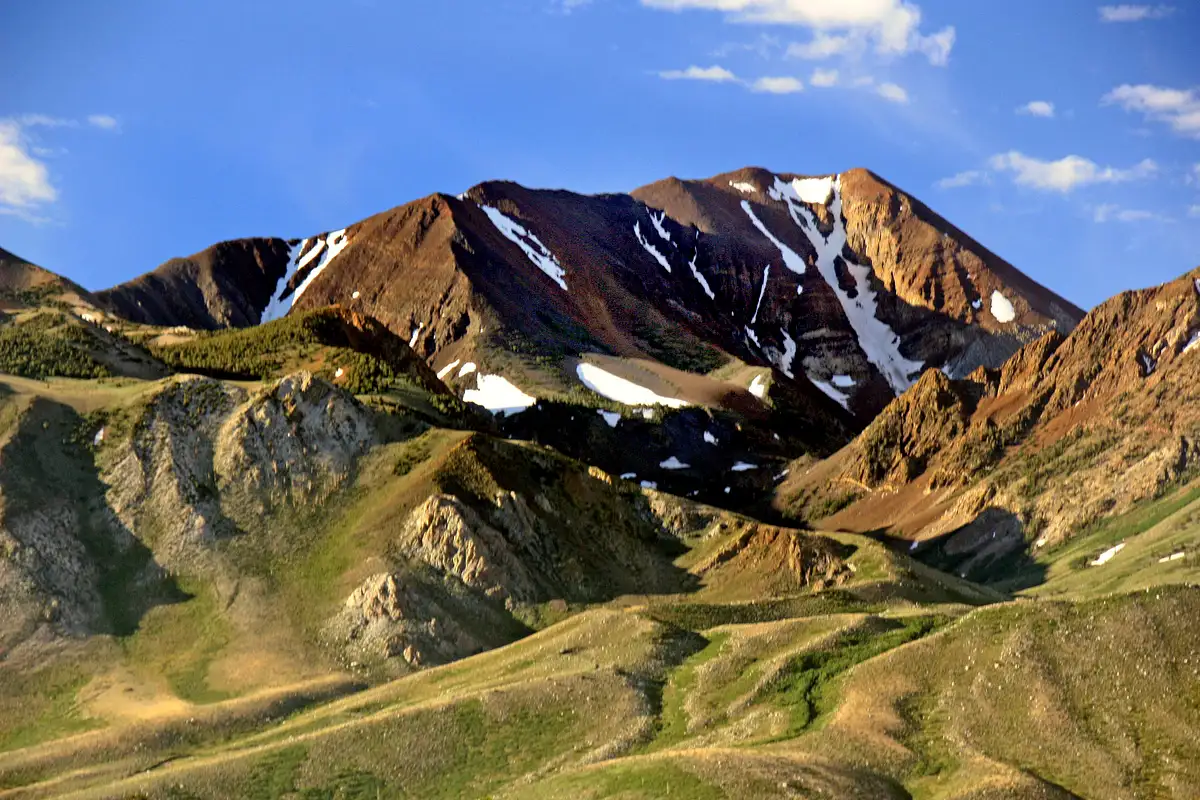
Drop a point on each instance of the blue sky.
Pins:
(131, 132)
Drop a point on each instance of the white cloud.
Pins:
(107, 122)
(771, 85)
(892, 25)
(821, 46)
(968, 178)
(1178, 108)
(1193, 176)
(1194, 211)
(1134, 13)
(713, 74)
(892, 92)
(824, 78)
(1037, 108)
(24, 181)
(1110, 212)
(1066, 173)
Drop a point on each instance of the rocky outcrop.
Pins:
(1071, 430)
(294, 443)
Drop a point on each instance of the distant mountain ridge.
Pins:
(747, 266)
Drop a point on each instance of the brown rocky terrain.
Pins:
(1072, 429)
(517, 281)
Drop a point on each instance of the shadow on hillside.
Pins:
(56, 505)
(991, 549)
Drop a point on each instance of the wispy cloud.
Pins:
(1037, 108)
(824, 78)
(820, 47)
(892, 92)
(763, 47)
(712, 74)
(1065, 174)
(1110, 212)
(1194, 211)
(1134, 13)
(103, 121)
(893, 27)
(777, 85)
(971, 177)
(1178, 108)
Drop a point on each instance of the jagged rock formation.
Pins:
(1070, 430)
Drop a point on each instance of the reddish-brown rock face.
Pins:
(843, 284)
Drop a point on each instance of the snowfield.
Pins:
(744, 188)
(649, 248)
(842, 398)
(467, 369)
(538, 254)
(1107, 555)
(700, 278)
(875, 337)
(327, 248)
(790, 259)
(616, 388)
(498, 396)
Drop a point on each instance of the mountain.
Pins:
(762, 485)
(1005, 463)
(745, 268)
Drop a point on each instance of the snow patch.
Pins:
(753, 337)
(977, 304)
(326, 248)
(356, 295)
(334, 243)
(708, 437)
(608, 385)
(742, 466)
(1172, 557)
(790, 259)
(843, 381)
(700, 278)
(658, 226)
(673, 463)
(649, 248)
(649, 485)
(611, 417)
(412, 340)
(1107, 555)
(842, 398)
(782, 475)
(537, 253)
(629, 476)
(1193, 343)
(789, 353)
(98, 439)
(467, 369)
(805, 190)
(1148, 364)
(444, 371)
(340, 372)
(913, 546)
(1002, 308)
(498, 396)
(758, 387)
(743, 187)
(761, 293)
(875, 337)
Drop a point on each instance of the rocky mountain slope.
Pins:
(843, 285)
(1071, 430)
